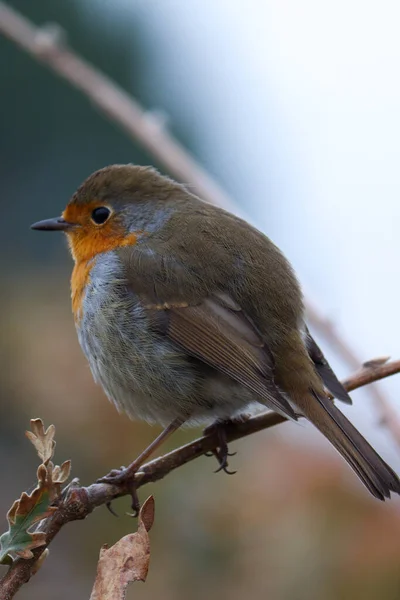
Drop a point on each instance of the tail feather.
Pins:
(375, 474)
(324, 370)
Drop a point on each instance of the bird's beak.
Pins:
(56, 224)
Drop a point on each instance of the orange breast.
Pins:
(85, 245)
(79, 281)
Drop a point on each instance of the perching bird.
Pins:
(188, 314)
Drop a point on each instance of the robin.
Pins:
(188, 315)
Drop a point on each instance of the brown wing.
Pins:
(324, 370)
(218, 333)
(210, 326)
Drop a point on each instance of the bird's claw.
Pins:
(113, 477)
(225, 470)
(211, 453)
(110, 508)
(123, 477)
(135, 504)
(221, 454)
(221, 451)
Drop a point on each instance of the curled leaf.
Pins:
(55, 476)
(125, 562)
(42, 440)
(62, 473)
(20, 540)
(24, 513)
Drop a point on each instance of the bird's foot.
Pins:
(127, 478)
(124, 477)
(221, 452)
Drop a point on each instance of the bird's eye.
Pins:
(100, 215)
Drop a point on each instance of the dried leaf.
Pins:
(19, 540)
(55, 476)
(42, 440)
(62, 473)
(23, 514)
(125, 562)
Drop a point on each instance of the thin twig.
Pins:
(78, 502)
(47, 45)
(387, 414)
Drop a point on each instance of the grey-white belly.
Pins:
(142, 373)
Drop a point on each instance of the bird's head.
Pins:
(114, 207)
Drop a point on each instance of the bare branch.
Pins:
(387, 414)
(47, 46)
(78, 502)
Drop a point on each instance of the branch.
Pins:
(78, 502)
(387, 415)
(46, 44)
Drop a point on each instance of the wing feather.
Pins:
(325, 371)
(220, 337)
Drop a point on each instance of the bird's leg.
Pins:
(126, 475)
(221, 451)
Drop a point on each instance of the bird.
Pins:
(189, 315)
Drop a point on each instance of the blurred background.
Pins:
(294, 108)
